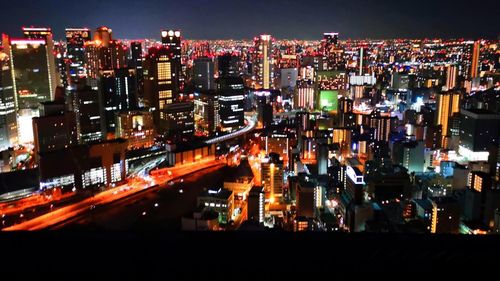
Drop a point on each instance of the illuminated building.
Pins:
(305, 198)
(439, 214)
(451, 76)
(85, 166)
(272, 176)
(262, 62)
(55, 128)
(204, 74)
(474, 72)
(479, 134)
(227, 65)
(383, 125)
(277, 143)
(8, 124)
(136, 62)
(322, 158)
(264, 111)
(33, 62)
(103, 53)
(447, 103)
(304, 95)
(137, 127)
(75, 53)
(256, 204)
(206, 111)
(219, 200)
(85, 103)
(188, 152)
(162, 85)
(289, 77)
(333, 54)
(410, 155)
(179, 119)
(346, 117)
(401, 81)
(117, 92)
(231, 102)
(328, 86)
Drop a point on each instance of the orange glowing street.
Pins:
(134, 186)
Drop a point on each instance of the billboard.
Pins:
(328, 100)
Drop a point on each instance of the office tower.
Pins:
(346, 117)
(278, 142)
(75, 53)
(117, 92)
(231, 101)
(178, 121)
(451, 76)
(55, 128)
(382, 125)
(227, 65)
(85, 103)
(304, 95)
(103, 53)
(289, 77)
(8, 124)
(332, 53)
(305, 198)
(410, 154)
(136, 62)
(256, 204)
(447, 103)
(206, 111)
(272, 176)
(479, 135)
(171, 39)
(264, 111)
(361, 58)
(402, 81)
(262, 62)
(322, 158)
(474, 72)
(328, 86)
(203, 74)
(162, 70)
(137, 127)
(439, 214)
(32, 60)
(83, 166)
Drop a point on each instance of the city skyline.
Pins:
(356, 20)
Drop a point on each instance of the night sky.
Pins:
(222, 19)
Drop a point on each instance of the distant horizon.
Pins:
(225, 19)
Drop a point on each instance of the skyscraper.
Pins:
(451, 76)
(447, 103)
(479, 134)
(272, 176)
(75, 52)
(231, 102)
(117, 90)
(35, 80)
(8, 124)
(204, 74)
(103, 53)
(85, 103)
(474, 72)
(262, 62)
(161, 83)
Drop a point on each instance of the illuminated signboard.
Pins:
(25, 94)
(328, 100)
